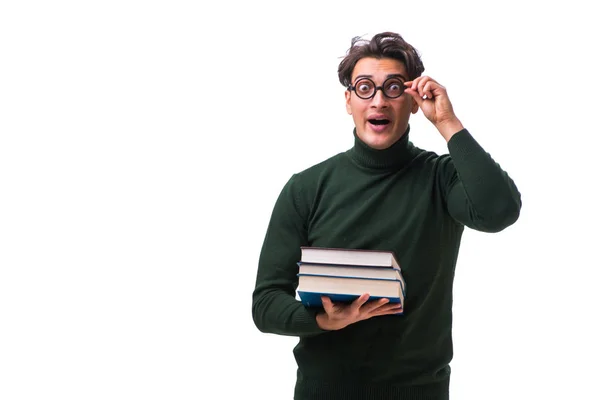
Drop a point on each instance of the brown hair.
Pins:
(382, 45)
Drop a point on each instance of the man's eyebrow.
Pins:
(396, 76)
(387, 77)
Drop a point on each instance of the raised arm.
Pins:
(479, 194)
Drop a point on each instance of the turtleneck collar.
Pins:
(393, 158)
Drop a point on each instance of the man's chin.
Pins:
(380, 141)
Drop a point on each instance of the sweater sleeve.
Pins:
(479, 194)
(274, 305)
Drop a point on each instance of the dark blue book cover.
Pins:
(313, 299)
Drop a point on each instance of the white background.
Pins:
(143, 145)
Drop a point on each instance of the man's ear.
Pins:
(348, 108)
(415, 106)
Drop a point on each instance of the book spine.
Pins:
(299, 263)
(352, 277)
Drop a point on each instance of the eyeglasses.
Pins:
(366, 89)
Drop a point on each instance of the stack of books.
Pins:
(345, 274)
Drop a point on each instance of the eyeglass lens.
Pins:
(392, 87)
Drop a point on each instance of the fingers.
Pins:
(424, 87)
(392, 308)
(360, 309)
(387, 308)
(327, 304)
(428, 90)
(380, 307)
(358, 303)
(373, 306)
(330, 307)
(415, 95)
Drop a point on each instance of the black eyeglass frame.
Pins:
(352, 88)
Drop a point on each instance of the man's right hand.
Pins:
(337, 316)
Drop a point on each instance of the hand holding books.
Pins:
(339, 315)
(350, 285)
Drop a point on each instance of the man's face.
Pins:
(380, 121)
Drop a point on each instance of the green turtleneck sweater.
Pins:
(404, 199)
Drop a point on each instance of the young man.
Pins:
(382, 194)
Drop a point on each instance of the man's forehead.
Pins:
(379, 68)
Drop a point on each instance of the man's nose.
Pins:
(379, 100)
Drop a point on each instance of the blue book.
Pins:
(346, 289)
(313, 299)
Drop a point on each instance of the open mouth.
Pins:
(382, 121)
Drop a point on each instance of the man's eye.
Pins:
(394, 89)
(364, 87)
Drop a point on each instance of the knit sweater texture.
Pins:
(402, 199)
